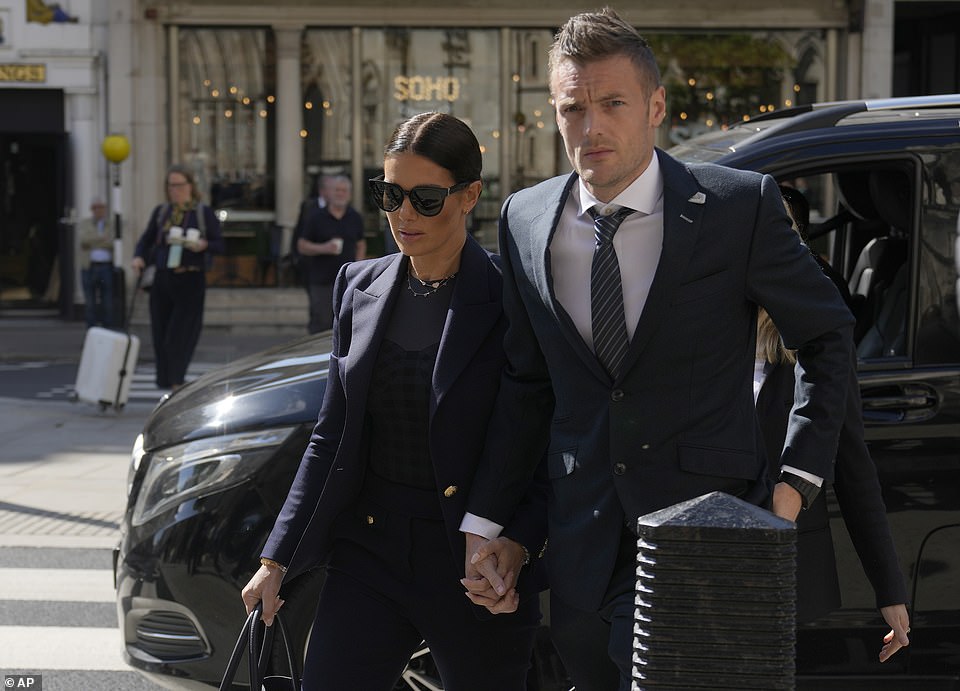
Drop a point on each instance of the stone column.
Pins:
(876, 77)
(88, 171)
(289, 145)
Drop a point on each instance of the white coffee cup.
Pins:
(338, 244)
(193, 234)
(176, 235)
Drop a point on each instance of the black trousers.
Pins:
(392, 581)
(176, 319)
(597, 647)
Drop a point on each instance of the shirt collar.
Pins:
(643, 194)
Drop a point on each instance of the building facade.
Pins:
(262, 100)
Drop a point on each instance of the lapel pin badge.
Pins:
(698, 198)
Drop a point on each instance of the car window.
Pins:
(861, 221)
(938, 331)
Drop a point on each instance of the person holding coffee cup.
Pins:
(331, 237)
(179, 238)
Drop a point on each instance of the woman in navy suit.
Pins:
(382, 486)
(855, 484)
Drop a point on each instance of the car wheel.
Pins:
(421, 673)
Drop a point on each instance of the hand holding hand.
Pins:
(898, 619)
(265, 586)
(492, 569)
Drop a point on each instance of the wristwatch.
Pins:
(808, 490)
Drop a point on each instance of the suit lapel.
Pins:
(683, 207)
(474, 311)
(543, 237)
(371, 308)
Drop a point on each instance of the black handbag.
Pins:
(257, 639)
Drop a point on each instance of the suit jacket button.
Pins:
(370, 520)
(619, 468)
(616, 395)
(450, 491)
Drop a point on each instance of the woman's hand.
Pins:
(264, 586)
(497, 564)
(138, 265)
(898, 619)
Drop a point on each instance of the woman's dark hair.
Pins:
(441, 138)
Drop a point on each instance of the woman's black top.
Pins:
(398, 403)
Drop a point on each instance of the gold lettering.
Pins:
(426, 88)
(402, 92)
(23, 73)
(416, 88)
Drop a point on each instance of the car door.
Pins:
(888, 223)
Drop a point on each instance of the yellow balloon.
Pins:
(116, 148)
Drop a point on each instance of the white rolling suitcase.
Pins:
(106, 367)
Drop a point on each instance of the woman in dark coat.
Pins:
(381, 489)
(855, 484)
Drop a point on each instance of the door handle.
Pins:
(899, 403)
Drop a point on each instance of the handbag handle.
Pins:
(258, 652)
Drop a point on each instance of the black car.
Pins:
(882, 178)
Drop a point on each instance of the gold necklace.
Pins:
(426, 288)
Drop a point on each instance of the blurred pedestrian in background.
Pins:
(96, 265)
(180, 237)
(332, 235)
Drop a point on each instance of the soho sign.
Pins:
(420, 88)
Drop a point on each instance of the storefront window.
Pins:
(536, 149)
(226, 96)
(327, 105)
(456, 71)
(714, 81)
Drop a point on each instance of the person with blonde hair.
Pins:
(855, 485)
(178, 241)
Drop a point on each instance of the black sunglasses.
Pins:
(426, 201)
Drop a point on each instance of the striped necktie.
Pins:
(610, 341)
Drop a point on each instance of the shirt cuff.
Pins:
(480, 526)
(809, 477)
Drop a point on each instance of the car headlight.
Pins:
(184, 471)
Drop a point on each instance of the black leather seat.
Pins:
(881, 273)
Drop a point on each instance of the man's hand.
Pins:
(787, 501)
(491, 572)
(898, 619)
(265, 586)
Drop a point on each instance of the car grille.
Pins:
(169, 636)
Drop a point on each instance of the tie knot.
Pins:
(606, 226)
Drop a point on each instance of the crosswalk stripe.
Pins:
(62, 647)
(142, 386)
(57, 585)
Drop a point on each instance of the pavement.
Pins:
(63, 466)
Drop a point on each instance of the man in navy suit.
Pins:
(674, 418)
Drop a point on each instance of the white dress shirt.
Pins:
(638, 243)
